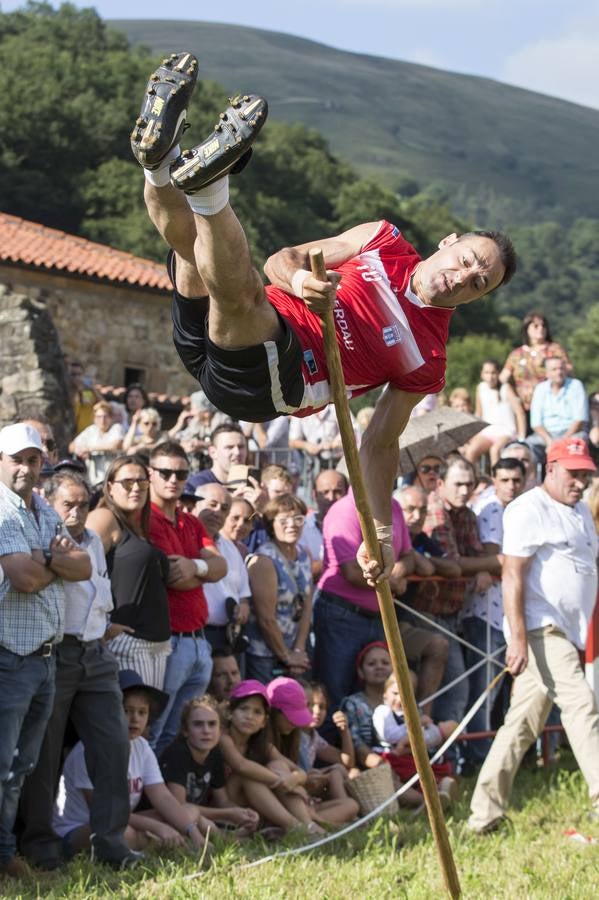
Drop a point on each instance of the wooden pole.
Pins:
(383, 592)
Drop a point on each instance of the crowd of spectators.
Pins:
(187, 636)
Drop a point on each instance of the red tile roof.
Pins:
(36, 245)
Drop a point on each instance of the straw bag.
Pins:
(372, 787)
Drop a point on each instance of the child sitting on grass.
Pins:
(167, 822)
(313, 747)
(392, 731)
(260, 777)
(373, 665)
(289, 715)
(194, 772)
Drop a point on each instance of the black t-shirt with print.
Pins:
(198, 779)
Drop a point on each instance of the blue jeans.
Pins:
(475, 631)
(340, 633)
(188, 673)
(26, 697)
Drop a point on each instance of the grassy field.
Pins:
(389, 117)
(532, 859)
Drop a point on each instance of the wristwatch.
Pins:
(47, 558)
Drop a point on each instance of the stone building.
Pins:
(110, 310)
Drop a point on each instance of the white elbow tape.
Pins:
(201, 567)
(297, 282)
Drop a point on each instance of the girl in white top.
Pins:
(499, 405)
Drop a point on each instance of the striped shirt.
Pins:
(28, 620)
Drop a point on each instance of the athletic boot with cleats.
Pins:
(228, 148)
(161, 120)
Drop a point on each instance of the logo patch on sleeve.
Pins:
(310, 362)
(392, 335)
(395, 231)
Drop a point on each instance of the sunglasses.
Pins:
(129, 483)
(425, 469)
(167, 474)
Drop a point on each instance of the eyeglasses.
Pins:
(129, 483)
(214, 504)
(167, 474)
(290, 520)
(425, 468)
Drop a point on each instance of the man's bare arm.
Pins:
(282, 266)
(514, 569)
(379, 455)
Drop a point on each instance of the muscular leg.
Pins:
(170, 214)
(239, 314)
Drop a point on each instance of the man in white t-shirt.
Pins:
(212, 508)
(549, 592)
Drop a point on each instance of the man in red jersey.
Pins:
(258, 352)
(193, 560)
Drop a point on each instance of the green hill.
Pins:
(395, 119)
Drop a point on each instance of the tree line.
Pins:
(65, 120)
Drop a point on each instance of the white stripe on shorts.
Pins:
(276, 391)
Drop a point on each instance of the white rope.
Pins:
(281, 854)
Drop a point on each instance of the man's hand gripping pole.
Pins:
(383, 592)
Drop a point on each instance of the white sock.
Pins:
(160, 177)
(210, 200)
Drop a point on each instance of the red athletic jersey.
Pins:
(384, 332)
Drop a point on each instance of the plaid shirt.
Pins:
(28, 620)
(457, 532)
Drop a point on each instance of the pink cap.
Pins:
(287, 695)
(571, 453)
(249, 688)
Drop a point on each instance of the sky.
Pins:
(549, 46)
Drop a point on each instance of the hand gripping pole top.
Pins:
(383, 592)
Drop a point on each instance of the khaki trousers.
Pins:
(553, 674)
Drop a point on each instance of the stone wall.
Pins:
(108, 328)
(33, 378)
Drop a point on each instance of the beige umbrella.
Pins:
(436, 433)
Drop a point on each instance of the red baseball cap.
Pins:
(287, 695)
(571, 453)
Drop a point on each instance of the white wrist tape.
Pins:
(384, 534)
(297, 282)
(202, 567)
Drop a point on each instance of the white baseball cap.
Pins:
(14, 438)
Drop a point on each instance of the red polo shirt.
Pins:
(186, 536)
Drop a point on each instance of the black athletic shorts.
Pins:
(256, 383)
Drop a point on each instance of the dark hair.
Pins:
(106, 501)
(283, 503)
(59, 478)
(258, 744)
(226, 428)
(223, 652)
(506, 249)
(287, 744)
(455, 460)
(528, 319)
(168, 448)
(492, 362)
(136, 386)
(142, 691)
(510, 465)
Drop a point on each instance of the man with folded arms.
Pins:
(35, 559)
